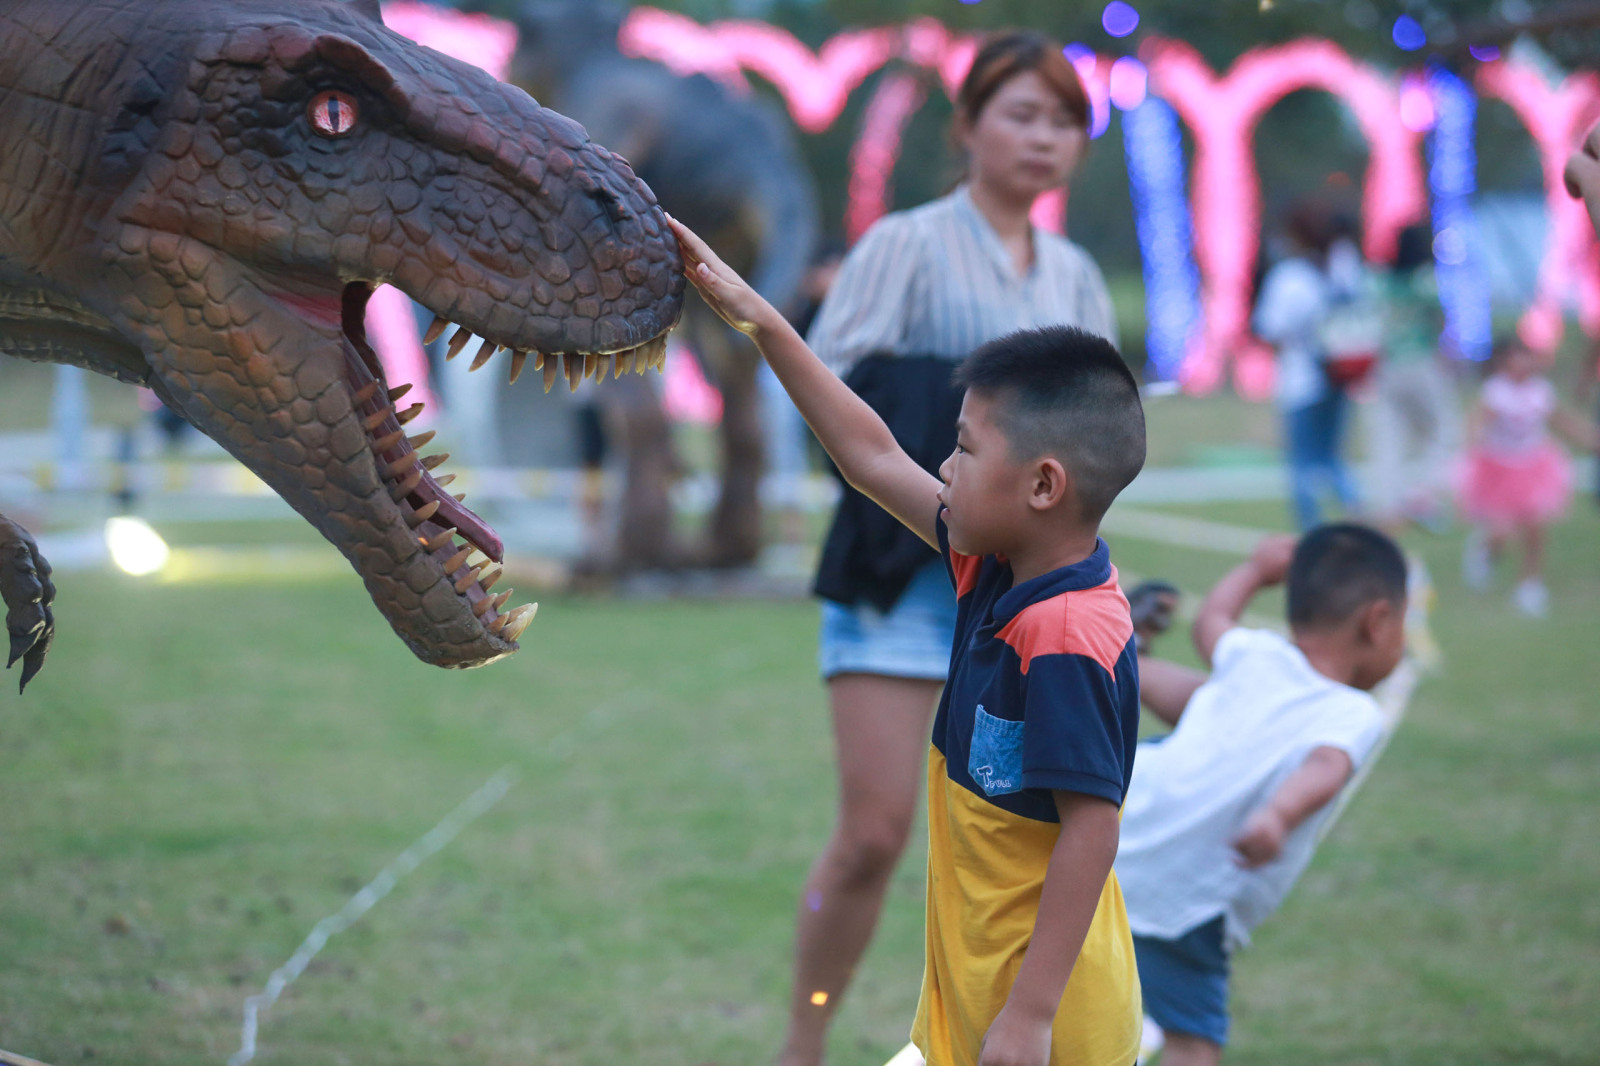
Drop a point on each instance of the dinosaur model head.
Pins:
(233, 180)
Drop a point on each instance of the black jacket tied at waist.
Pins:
(869, 557)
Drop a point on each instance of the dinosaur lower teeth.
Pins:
(422, 439)
(398, 391)
(426, 511)
(410, 413)
(517, 622)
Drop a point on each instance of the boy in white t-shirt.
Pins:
(1223, 814)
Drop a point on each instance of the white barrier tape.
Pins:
(475, 805)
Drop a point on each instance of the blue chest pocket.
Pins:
(995, 762)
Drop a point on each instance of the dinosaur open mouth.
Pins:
(472, 563)
(466, 549)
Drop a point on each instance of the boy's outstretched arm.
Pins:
(1268, 565)
(857, 440)
(1301, 795)
(1073, 883)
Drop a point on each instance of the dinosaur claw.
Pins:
(27, 591)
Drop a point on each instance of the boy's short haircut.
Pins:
(1338, 569)
(1064, 392)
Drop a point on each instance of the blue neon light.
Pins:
(1166, 234)
(1458, 251)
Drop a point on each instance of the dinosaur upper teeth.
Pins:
(579, 365)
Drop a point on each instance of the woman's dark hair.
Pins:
(1005, 55)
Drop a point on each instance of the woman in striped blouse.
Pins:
(936, 281)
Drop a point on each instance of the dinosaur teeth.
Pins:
(489, 575)
(421, 440)
(443, 481)
(442, 541)
(458, 560)
(364, 394)
(517, 622)
(375, 421)
(408, 486)
(483, 607)
(574, 371)
(460, 497)
(466, 581)
(500, 600)
(401, 465)
(591, 363)
(425, 512)
(458, 341)
(433, 461)
(410, 413)
(517, 360)
(436, 329)
(397, 392)
(384, 443)
(485, 353)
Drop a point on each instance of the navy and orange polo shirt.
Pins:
(1043, 695)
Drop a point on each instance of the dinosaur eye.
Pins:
(333, 113)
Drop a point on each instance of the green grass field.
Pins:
(204, 770)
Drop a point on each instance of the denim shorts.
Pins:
(1185, 981)
(912, 640)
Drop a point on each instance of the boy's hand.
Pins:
(1016, 1041)
(1261, 839)
(729, 295)
(1272, 557)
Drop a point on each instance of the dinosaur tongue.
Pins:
(453, 513)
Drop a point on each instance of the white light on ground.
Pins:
(135, 547)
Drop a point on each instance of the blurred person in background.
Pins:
(917, 294)
(1297, 298)
(1516, 479)
(1414, 417)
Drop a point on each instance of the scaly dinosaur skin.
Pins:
(200, 195)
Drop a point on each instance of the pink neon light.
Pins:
(1127, 83)
(1416, 104)
(486, 43)
(872, 157)
(686, 395)
(392, 331)
(1557, 119)
(816, 86)
(1222, 113)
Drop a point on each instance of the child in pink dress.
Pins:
(1516, 479)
